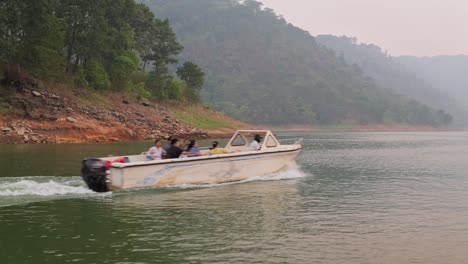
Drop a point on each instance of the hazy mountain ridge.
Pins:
(261, 69)
(446, 73)
(392, 74)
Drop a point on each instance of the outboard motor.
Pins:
(93, 172)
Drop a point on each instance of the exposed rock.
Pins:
(49, 117)
(21, 131)
(71, 119)
(35, 114)
(36, 94)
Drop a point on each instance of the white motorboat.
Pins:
(240, 164)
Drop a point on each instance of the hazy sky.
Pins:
(402, 27)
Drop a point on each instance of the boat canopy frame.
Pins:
(268, 139)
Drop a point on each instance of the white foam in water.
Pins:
(293, 172)
(34, 188)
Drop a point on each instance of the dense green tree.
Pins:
(192, 75)
(145, 37)
(30, 37)
(158, 82)
(96, 75)
(78, 19)
(10, 30)
(122, 68)
(98, 43)
(163, 47)
(97, 30)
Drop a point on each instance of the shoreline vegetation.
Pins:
(65, 116)
(35, 114)
(363, 128)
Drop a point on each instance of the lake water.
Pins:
(355, 198)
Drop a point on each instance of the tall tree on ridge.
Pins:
(192, 75)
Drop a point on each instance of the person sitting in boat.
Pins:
(156, 152)
(168, 145)
(175, 151)
(255, 145)
(186, 144)
(193, 146)
(217, 150)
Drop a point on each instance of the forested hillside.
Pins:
(447, 73)
(76, 71)
(255, 66)
(390, 74)
(98, 44)
(263, 70)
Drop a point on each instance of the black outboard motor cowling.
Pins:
(93, 172)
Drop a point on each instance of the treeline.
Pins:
(101, 44)
(263, 70)
(389, 74)
(446, 73)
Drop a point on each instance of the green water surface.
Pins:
(355, 198)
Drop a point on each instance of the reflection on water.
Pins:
(363, 198)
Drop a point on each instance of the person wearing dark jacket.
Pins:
(168, 145)
(174, 151)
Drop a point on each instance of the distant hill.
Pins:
(446, 73)
(424, 86)
(263, 70)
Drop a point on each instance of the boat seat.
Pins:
(137, 158)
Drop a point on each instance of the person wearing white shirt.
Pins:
(255, 145)
(156, 152)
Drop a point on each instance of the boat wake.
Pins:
(30, 187)
(19, 190)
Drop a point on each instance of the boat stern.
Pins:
(93, 173)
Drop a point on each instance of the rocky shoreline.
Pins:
(39, 116)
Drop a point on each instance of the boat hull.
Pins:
(194, 171)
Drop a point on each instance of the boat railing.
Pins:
(291, 141)
(202, 148)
